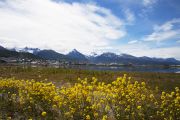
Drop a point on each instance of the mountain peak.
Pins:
(74, 54)
(2, 48)
(74, 51)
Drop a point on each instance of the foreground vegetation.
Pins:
(61, 93)
(61, 76)
(121, 99)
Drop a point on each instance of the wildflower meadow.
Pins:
(122, 99)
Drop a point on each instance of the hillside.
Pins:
(7, 53)
(76, 56)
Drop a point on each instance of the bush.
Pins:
(119, 100)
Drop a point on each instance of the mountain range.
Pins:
(74, 55)
(15, 54)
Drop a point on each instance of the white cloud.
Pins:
(127, 3)
(164, 32)
(167, 26)
(60, 26)
(149, 2)
(162, 52)
(140, 49)
(160, 36)
(132, 41)
(130, 17)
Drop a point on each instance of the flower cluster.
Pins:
(90, 100)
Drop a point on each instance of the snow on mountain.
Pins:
(26, 49)
(74, 54)
(107, 57)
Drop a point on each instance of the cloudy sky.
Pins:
(137, 27)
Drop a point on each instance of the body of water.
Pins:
(123, 68)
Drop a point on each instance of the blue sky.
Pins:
(137, 27)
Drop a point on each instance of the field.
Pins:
(56, 93)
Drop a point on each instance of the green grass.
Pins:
(59, 76)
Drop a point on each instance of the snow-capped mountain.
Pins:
(26, 49)
(129, 59)
(74, 54)
(93, 54)
(6, 53)
(107, 57)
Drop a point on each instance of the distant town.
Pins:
(35, 56)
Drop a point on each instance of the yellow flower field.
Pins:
(87, 99)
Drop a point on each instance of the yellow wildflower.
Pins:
(43, 114)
